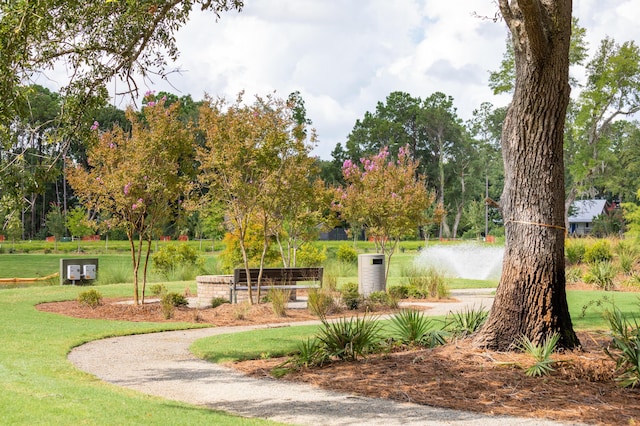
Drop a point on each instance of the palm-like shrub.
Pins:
(413, 327)
(625, 333)
(601, 274)
(466, 322)
(574, 251)
(541, 353)
(350, 338)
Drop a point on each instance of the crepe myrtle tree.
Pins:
(246, 164)
(386, 196)
(138, 179)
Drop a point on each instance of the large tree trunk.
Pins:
(531, 297)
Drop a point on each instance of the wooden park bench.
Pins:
(276, 278)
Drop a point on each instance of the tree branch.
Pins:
(533, 15)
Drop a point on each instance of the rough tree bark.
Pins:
(531, 297)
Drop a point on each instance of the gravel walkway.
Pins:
(160, 364)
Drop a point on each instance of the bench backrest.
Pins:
(278, 275)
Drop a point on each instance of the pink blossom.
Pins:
(127, 187)
(149, 93)
(112, 145)
(134, 206)
(95, 125)
(151, 103)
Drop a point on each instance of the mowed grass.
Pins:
(38, 385)
(282, 341)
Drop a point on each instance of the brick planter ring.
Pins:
(210, 286)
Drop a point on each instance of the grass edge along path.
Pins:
(281, 341)
(38, 385)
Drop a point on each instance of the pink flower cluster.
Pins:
(95, 125)
(137, 204)
(127, 188)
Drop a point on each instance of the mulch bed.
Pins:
(457, 376)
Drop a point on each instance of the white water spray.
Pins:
(468, 260)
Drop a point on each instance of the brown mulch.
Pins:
(457, 376)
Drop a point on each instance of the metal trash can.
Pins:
(371, 273)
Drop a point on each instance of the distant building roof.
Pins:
(586, 210)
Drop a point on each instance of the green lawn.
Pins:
(39, 386)
(282, 341)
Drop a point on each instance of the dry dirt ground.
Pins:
(458, 376)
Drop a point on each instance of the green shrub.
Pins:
(413, 327)
(311, 256)
(311, 353)
(169, 301)
(625, 333)
(175, 299)
(346, 253)
(217, 301)
(573, 274)
(350, 338)
(383, 298)
(541, 353)
(172, 257)
(350, 296)
(626, 248)
(466, 322)
(574, 251)
(320, 302)
(601, 274)
(231, 257)
(427, 283)
(91, 298)
(627, 262)
(598, 251)
(158, 289)
(399, 291)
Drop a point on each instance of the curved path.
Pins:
(160, 364)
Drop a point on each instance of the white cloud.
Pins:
(344, 56)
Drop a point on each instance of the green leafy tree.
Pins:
(79, 224)
(503, 80)
(486, 128)
(211, 222)
(387, 197)
(126, 39)
(631, 213)
(436, 138)
(10, 213)
(55, 223)
(138, 180)
(612, 92)
(623, 174)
